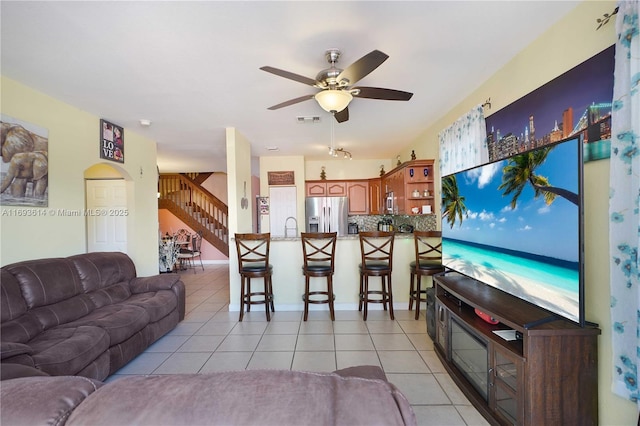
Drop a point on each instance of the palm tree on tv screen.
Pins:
(452, 202)
(520, 171)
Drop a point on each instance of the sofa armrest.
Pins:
(154, 283)
(162, 282)
(43, 400)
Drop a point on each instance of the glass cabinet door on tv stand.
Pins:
(505, 376)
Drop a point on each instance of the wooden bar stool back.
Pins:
(376, 248)
(253, 262)
(318, 250)
(428, 262)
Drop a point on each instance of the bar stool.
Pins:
(428, 262)
(376, 248)
(253, 262)
(318, 250)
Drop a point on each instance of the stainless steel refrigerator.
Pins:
(327, 214)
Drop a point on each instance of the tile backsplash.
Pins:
(422, 222)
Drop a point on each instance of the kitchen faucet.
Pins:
(295, 228)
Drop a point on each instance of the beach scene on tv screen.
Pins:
(514, 225)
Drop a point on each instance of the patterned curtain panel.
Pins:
(464, 144)
(624, 228)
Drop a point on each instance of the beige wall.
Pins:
(73, 148)
(573, 40)
(238, 174)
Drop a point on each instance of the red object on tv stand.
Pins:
(486, 317)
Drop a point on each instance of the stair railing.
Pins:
(197, 207)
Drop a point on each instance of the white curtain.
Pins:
(624, 197)
(464, 144)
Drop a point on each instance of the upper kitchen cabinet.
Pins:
(410, 186)
(324, 188)
(393, 184)
(419, 186)
(358, 193)
(375, 196)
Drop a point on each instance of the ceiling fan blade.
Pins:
(290, 75)
(363, 66)
(291, 102)
(342, 116)
(384, 94)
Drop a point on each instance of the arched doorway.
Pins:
(107, 197)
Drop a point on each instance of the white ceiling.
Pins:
(192, 68)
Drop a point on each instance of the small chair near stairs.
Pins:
(189, 255)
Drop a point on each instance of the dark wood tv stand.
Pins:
(548, 376)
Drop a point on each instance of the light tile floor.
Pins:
(211, 339)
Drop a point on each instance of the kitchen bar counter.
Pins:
(399, 235)
(288, 281)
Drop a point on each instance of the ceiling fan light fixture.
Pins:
(333, 100)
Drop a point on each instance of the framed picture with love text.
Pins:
(111, 142)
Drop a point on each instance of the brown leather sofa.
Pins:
(354, 396)
(85, 315)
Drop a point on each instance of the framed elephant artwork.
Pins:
(24, 169)
(111, 142)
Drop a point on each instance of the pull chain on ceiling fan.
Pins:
(336, 85)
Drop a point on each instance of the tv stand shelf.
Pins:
(549, 376)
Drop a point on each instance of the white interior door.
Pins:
(282, 204)
(106, 215)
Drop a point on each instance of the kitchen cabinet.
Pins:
(412, 185)
(393, 183)
(326, 188)
(375, 196)
(419, 187)
(358, 193)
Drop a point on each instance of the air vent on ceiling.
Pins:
(308, 119)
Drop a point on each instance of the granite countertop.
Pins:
(399, 235)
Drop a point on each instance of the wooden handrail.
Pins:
(197, 207)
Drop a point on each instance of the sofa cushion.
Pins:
(13, 371)
(12, 304)
(109, 295)
(43, 400)
(63, 312)
(120, 321)
(45, 281)
(158, 304)
(65, 351)
(100, 270)
(9, 349)
(261, 397)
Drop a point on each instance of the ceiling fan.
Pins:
(336, 85)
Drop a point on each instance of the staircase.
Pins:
(199, 209)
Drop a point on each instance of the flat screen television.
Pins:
(516, 224)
